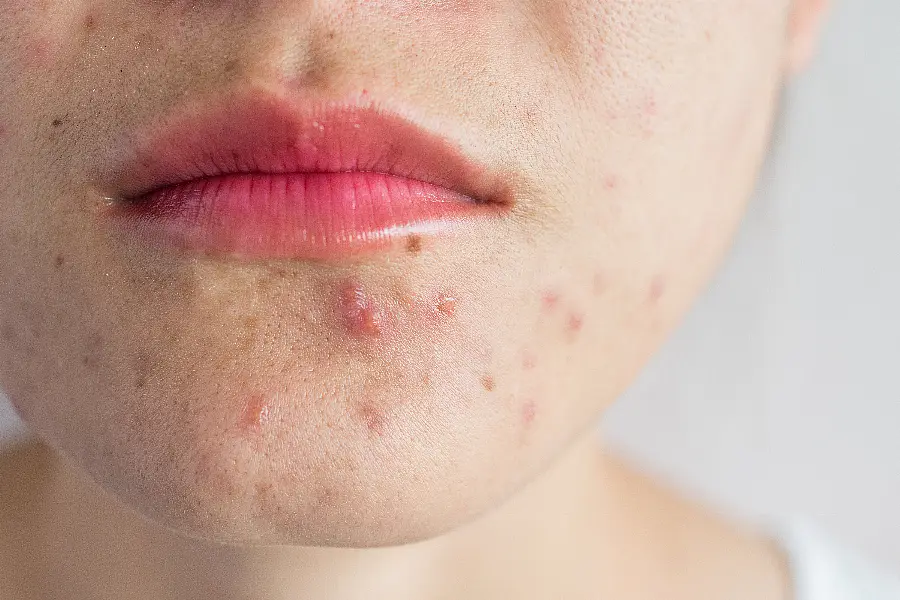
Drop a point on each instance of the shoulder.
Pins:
(823, 570)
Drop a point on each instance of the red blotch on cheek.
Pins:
(574, 323)
(446, 305)
(657, 289)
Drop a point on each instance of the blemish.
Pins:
(230, 65)
(488, 383)
(56, 122)
(446, 304)
(89, 22)
(611, 182)
(528, 361)
(361, 315)
(657, 289)
(550, 300)
(574, 323)
(142, 369)
(59, 261)
(7, 332)
(598, 284)
(529, 409)
(373, 417)
(414, 244)
(256, 413)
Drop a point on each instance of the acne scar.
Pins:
(60, 260)
(255, 414)
(373, 417)
(361, 315)
(488, 383)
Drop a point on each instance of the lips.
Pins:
(261, 175)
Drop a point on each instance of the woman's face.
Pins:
(389, 396)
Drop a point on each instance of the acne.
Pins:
(362, 316)
(89, 22)
(529, 410)
(373, 417)
(446, 305)
(488, 383)
(528, 361)
(256, 414)
(549, 301)
(611, 182)
(574, 324)
(657, 289)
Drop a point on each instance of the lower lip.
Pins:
(316, 216)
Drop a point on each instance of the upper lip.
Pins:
(268, 131)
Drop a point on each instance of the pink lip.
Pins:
(260, 175)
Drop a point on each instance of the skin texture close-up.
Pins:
(369, 394)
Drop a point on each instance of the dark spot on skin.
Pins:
(7, 332)
(59, 261)
(93, 348)
(280, 272)
(657, 289)
(89, 22)
(373, 417)
(230, 65)
(574, 323)
(414, 244)
(56, 122)
(330, 35)
(142, 369)
(360, 314)
(251, 324)
(488, 383)
(550, 301)
(325, 498)
(255, 415)
(528, 412)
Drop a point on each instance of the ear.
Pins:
(804, 28)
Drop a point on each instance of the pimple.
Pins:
(488, 383)
(446, 304)
(256, 413)
(611, 182)
(574, 323)
(550, 300)
(657, 289)
(359, 311)
(373, 417)
(528, 361)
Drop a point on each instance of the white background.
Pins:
(780, 393)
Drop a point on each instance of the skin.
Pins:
(192, 401)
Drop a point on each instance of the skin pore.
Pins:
(415, 424)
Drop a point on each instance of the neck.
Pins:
(572, 529)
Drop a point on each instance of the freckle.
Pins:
(574, 324)
(361, 316)
(255, 414)
(657, 289)
(60, 260)
(488, 383)
(373, 417)
(447, 305)
(414, 244)
(56, 122)
(550, 301)
(528, 412)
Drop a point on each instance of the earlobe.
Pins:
(804, 29)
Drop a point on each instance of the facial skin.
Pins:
(231, 400)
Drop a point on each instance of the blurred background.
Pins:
(780, 393)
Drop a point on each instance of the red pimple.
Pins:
(657, 289)
(574, 323)
(446, 304)
(610, 182)
(255, 414)
(528, 361)
(550, 301)
(361, 315)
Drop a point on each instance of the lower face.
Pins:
(392, 396)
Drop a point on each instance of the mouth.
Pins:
(263, 175)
